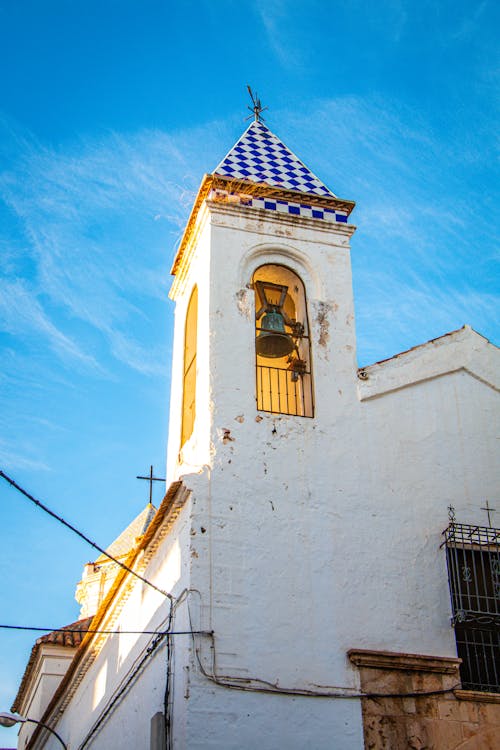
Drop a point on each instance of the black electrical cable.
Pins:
(257, 685)
(137, 667)
(104, 632)
(124, 687)
(263, 686)
(135, 670)
(81, 534)
(167, 715)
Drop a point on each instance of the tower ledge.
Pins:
(246, 193)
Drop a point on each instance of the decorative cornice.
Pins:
(262, 189)
(222, 215)
(404, 662)
(256, 190)
(203, 191)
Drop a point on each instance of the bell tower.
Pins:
(264, 315)
(264, 397)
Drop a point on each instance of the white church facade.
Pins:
(304, 594)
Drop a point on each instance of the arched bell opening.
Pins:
(282, 345)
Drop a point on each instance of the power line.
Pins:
(104, 632)
(81, 534)
(135, 670)
(258, 685)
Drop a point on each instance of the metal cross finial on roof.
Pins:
(151, 479)
(257, 106)
(488, 511)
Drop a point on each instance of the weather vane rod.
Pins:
(257, 107)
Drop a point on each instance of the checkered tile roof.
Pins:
(259, 156)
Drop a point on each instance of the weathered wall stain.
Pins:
(244, 303)
(323, 323)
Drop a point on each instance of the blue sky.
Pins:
(110, 113)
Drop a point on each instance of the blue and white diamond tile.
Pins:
(259, 156)
(281, 206)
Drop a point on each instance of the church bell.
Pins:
(272, 340)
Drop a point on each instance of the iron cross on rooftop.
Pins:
(489, 511)
(151, 479)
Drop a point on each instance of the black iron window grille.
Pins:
(473, 560)
(280, 391)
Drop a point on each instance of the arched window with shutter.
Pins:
(189, 371)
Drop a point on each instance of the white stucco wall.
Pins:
(303, 538)
(48, 670)
(128, 724)
(321, 535)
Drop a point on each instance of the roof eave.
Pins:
(257, 189)
(462, 350)
(45, 642)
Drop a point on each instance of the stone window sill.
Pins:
(477, 695)
(404, 662)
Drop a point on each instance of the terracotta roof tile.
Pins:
(70, 636)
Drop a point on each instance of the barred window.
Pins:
(473, 559)
(282, 346)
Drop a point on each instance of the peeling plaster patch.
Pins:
(226, 436)
(240, 418)
(258, 418)
(244, 304)
(323, 323)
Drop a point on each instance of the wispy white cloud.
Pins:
(87, 211)
(87, 232)
(19, 459)
(423, 258)
(387, 19)
(275, 15)
(415, 310)
(290, 26)
(469, 22)
(99, 215)
(21, 312)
